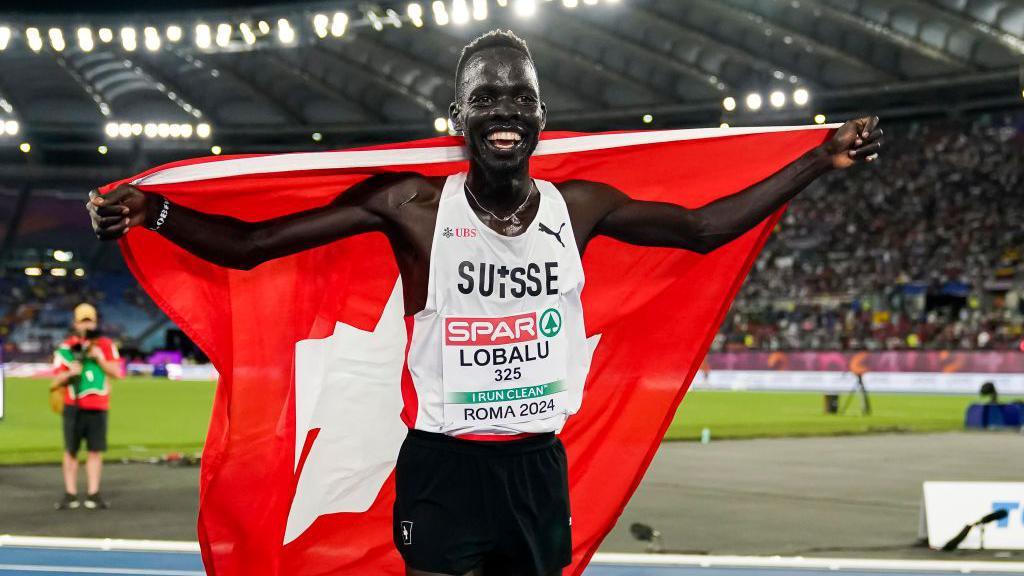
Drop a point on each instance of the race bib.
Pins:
(503, 369)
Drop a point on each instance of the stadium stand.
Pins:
(928, 257)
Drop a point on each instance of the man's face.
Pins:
(83, 326)
(498, 108)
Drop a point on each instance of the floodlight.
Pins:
(415, 13)
(85, 41)
(460, 12)
(35, 41)
(285, 32)
(128, 38)
(320, 22)
(203, 38)
(57, 39)
(152, 38)
(339, 23)
(479, 9)
(525, 8)
(223, 35)
(440, 13)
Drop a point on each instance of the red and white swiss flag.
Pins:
(297, 470)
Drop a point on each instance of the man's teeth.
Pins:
(504, 137)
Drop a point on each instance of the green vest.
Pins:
(93, 379)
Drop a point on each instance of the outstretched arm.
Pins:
(705, 229)
(235, 243)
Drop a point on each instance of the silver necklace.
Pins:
(514, 216)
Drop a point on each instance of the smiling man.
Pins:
(490, 262)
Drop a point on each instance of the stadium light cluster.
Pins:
(8, 126)
(57, 271)
(223, 35)
(85, 39)
(334, 25)
(754, 101)
(156, 130)
(227, 35)
(776, 99)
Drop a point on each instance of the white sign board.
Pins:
(949, 506)
(842, 382)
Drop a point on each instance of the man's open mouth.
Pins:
(504, 139)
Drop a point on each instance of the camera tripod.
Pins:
(865, 401)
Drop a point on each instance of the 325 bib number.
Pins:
(503, 369)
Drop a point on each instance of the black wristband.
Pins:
(158, 209)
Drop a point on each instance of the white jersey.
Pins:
(500, 346)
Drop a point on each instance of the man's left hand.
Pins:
(96, 353)
(856, 141)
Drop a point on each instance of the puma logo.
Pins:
(557, 235)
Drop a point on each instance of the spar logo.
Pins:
(498, 331)
(490, 331)
(550, 322)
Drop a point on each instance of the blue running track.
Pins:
(23, 561)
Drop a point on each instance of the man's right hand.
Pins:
(116, 212)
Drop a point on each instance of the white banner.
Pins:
(950, 506)
(174, 371)
(839, 382)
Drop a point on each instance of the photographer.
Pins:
(85, 364)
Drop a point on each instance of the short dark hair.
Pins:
(494, 39)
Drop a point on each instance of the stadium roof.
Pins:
(290, 75)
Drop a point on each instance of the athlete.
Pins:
(491, 274)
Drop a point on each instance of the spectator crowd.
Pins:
(922, 250)
(35, 312)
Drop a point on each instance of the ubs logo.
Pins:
(459, 232)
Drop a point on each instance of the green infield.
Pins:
(151, 417)
(773, 414)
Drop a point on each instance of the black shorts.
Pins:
(88, 425)
(464, 504)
